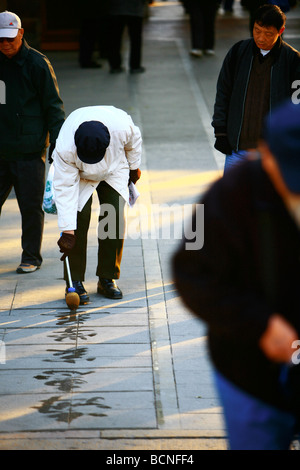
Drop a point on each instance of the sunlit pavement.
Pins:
(135, 373)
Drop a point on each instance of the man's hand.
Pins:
(222, 144)
(66, 243)
(134, 175)
(276, 341)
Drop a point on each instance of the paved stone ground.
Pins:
(130, 374)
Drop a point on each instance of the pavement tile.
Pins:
(65, 356)
(64, 411)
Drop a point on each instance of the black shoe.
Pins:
(109, 289)
(79, 288)
(138, 70)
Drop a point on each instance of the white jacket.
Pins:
(75, 181)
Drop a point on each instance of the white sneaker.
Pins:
(196, 52)
(25, 268)
(209, 52)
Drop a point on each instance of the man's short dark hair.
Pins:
(270, 15)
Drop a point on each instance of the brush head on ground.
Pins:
(72, 300)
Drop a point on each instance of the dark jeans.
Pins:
(251, 423)
(28, 180)
(110, 248)
(117, 26)
(202, 23)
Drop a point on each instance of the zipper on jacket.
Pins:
(18, 125)
(243, 109)
(271, 76)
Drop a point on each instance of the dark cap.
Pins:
(91, 139)
(282, 134)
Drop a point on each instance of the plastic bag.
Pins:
(49, 201)
(133, 194)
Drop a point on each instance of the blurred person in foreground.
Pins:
(31, 114)
(244, 283)
(98, 149)
(256, 76)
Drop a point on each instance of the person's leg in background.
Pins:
(89, 34)
(196, 28)
(228, 6)
(114, 44)
(209, 20)
(135, 30)
(28, 178)
(6, 182)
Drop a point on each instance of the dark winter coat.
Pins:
(233, 83)
(248, 269)
(33, 108)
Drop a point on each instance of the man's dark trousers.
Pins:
(27, 177)
(117, 26)
(110, 249)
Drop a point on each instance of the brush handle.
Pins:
(69, 272)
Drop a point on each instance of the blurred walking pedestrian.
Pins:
(202, 26)
(93, 32)
(244, 283)
(31, 113)
(253, 5)
(122, 14)
(227, 5)
(257, 74)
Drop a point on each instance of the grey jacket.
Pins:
(128, 7)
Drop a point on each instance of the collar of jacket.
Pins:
(275, 51)
(20, 57)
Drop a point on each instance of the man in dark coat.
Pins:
(256, 76)
(32, 114)
(244, 283)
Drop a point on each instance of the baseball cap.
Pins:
(92, 139)
(10, 24)
(282, 134)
